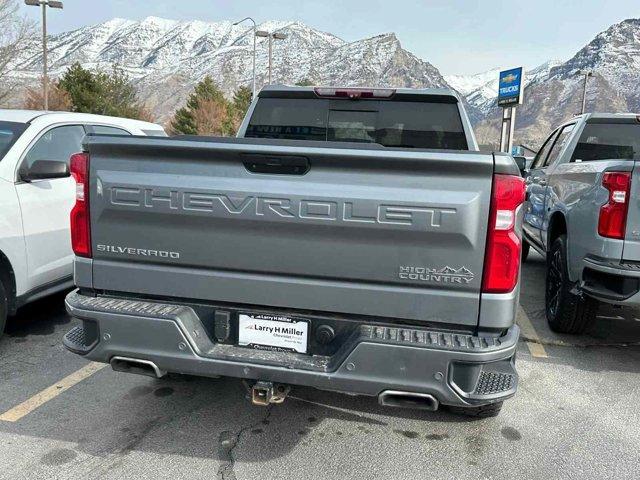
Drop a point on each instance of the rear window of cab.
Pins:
(406, 124)
(608, 141)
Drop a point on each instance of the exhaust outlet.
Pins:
(136, 366)
(400, 399)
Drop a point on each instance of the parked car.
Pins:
(582, 214)
(354, 240)
(36, 196)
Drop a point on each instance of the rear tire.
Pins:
(483, 411)
(525, 250)
(4, 308)
(566, 311)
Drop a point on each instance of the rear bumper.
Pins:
(612, 282)
(457, 369)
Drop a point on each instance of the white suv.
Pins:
(36, 197)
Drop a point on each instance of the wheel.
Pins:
(525, 250)
(566, 311)
(4, 308)
(483, 411)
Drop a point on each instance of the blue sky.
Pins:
(457, 36)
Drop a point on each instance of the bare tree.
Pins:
(145, 114)
(211, 118)
(59, 99)
(16, 32)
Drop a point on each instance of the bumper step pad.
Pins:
(485, 382)
(491, 383)
(433, 339)
(80, 339)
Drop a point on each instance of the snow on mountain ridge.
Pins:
(167, 57)
(481, 89)
(555, 90)
(613, 54)
(467, 84)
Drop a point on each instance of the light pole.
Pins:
(271, 37)
(587, 74)
(253, 95)
(44, 4)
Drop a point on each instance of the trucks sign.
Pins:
(510, 86)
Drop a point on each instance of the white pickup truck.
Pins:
(36, 196)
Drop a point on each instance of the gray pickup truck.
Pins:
(582, 213)
(354, 240)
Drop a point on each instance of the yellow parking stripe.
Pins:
(535, 344)
(39, 399)
(537, 350)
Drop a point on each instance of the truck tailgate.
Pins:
(367, 230)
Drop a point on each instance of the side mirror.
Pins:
(43, 169)
(521, 162)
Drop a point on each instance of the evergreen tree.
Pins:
(184, 120)
(119, 95)
(82, 87)
(242, 100)
(239, 106)
(102, 93)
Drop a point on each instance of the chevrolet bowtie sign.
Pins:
(510, 87)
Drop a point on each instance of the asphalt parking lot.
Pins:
(576, 415)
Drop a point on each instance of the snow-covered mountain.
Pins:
(481, 89)
(167, 57)
(554, 90)
(467, 84)
(615, 55)
(477, 86)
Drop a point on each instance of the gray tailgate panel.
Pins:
(353, 235)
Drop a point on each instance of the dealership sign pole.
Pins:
(510, 94)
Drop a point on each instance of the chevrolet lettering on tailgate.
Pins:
(236, 204)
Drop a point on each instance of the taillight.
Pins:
(354, 93)
(502, 255)
(80, 228)
(613, 214)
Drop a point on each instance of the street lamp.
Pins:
(254, 51)
(587, 74)
(271, 37)
(44, 4)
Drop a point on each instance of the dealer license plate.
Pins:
(273, 332)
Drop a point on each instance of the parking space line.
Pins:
(49, 393)
(534, 344)
(537, 350)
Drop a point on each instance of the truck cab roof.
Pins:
(599, 117)
(286, 90)
(606, 115)
(28, 116)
